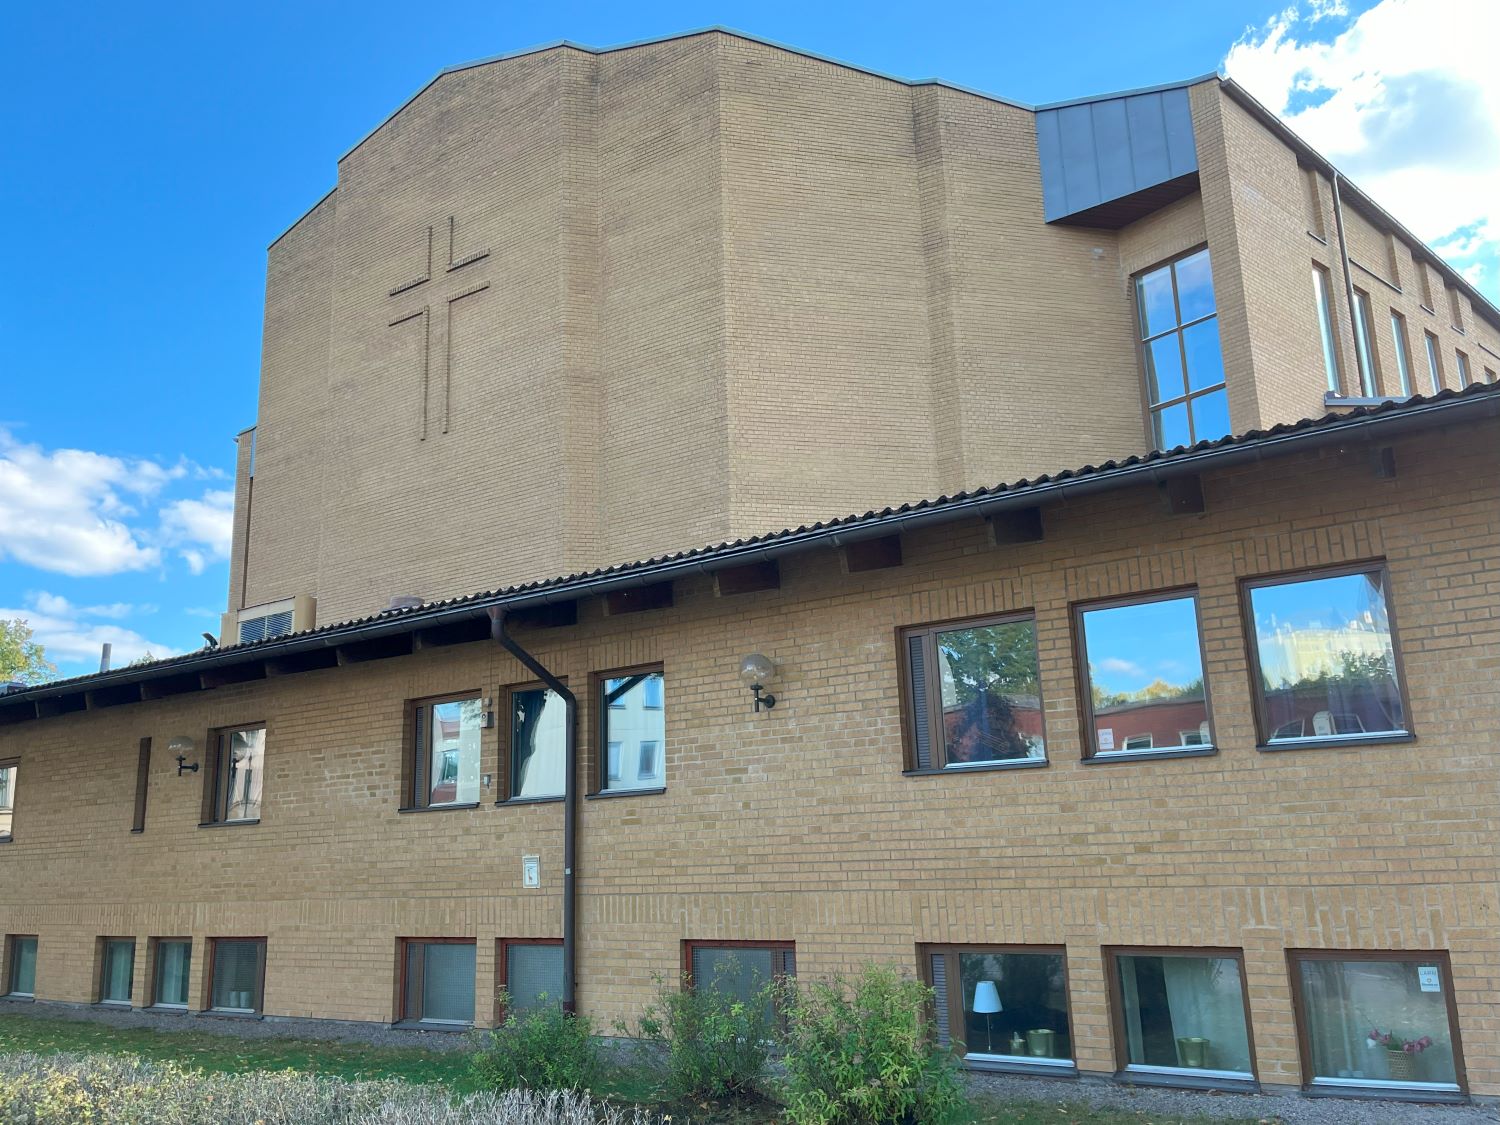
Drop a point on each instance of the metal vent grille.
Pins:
(922, 736)
(940, 999)
(254, 629)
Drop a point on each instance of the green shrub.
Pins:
(539, 1049)
(714, 1043)
(863, 1053)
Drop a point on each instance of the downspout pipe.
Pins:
(501, 635)
(1359, 358)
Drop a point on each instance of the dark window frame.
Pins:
(505, 775)
(402, 962)
(1295, 958)
(936, 734)
(215, 796)
(102, 969)
(955, 997)
(502, 967)
(779, 972)
(15, 764)
(11, 941)
(210, 969)
(416, 789)
(1164, 1075)
(142, 785)
(1142, 343)
(1089, 734)
(153, 982)
(1263, 729)
(600, 708)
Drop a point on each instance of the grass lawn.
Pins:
(207, 1051)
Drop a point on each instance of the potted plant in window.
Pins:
(1400, 1053)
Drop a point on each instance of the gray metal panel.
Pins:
(1100, 151)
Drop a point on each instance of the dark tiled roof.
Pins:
(1476, 401)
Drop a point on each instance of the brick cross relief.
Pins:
(437, 332)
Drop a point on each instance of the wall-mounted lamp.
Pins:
(183, 746)
(757, 671)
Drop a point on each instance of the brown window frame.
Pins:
(215, 799)
(142, 784)
(936, 735)
(8, 969)
(1089, 734)
(502, 966)
(15, 764)
(955, 997)
(1163, 1075)
(101, 952)
(1141, 343)
(1253, 582)
(258, 1008)
(415, 759)
(505, 775)
(402, 958)
(153, 972)
(779, 974)
(597, 769)
(1294, 958)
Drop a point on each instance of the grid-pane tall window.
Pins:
(116, 967)
(1365, 345)
(1325, 327)
(1179, 329)
(22, 961)
(1403, 363)
(1434, 365)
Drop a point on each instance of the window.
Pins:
(1377, 1020)
(740, 969)
(1464, 377)
(972, 693)
(20, 960)
(8, 770)
(438, 984)
(236, 776)
(174, 957)
(1324, 657)
(1325, 327)
(633, 728)
(1002, 1003)
(1434, 365)
(1142, 671)
(444, 755)
(1180, 349)
(237, 969)
(1364, 350)
(1403, 362)
(116, 970)
(1181, 1013)
(531, 973)
(1489, 375)
(536, 741)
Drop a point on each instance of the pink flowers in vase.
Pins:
(1393, 1042)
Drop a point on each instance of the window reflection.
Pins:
(1179, 330)
(634, 730)
(990, 699)
(454, 752)
(538, 743)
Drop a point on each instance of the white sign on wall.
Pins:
(1106, 738)
(531, 871)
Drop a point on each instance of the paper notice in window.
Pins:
(1427, 977)
(1106, 738)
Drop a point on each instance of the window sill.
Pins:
(113, 1005)
(1106, 756)
(231, 1014)
(428, 1025)
(20, 997)
(440, 808)
(978, 767)
(1317, 237)
(1437, 1092)
(1186, 1080)
(1331, 399)
(607, 793)
(6, 839)
(1057, 1068)
(1336, 742)
(169, 1009)
(531, 800)
(228, 823)
(1428, 309)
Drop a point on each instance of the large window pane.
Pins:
(1145, 676)
(236, 984)
(453, 751)
(533, 975)
(1164, 369)
(1210, 415)
(1195, 287)
(1171, 427)
(538, 735)
(634, 730)
(1184, 1013)
(22, 967)
(1015, 1006)
(742, 972)
(987, 684)
(1154, 300)
(1181, 354)
(173, 959)
(1325, 327)
(116, 972)
(7, 798)
(1205, 364)
(1365, 349)
(1327, 658)
(440, 981)
(242, 770)
(1403, 364)
(1434, 366)
(1377, 1021)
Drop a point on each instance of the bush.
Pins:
(864, 1054)
(715, 1045)
(539, 1049)
(124, 1090)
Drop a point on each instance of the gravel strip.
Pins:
(1164, 1105)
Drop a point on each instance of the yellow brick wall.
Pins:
(798, 825)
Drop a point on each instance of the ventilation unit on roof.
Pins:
(266, 626)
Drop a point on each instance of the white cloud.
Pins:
(1121, 667)
(201, 529)
(57, 606)
(70, 637)
(1402, 98)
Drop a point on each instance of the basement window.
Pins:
(1181, 1014)
(20, 965)
(116, 970)
(437, 986)
(173, 959)
(531, 974)
(1002, 1005)
(741, 970)
(237, 969)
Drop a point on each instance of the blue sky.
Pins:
(152, 153)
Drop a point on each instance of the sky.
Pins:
(152, 152)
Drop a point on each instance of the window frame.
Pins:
(1401, 340)
(258, 1008)
(502, 967)
(215, 798)
(925, 952)
(1434, 360)
(1164, 1076)
(103, 971)
(11, 941)
(1465, 375)
(11, 764)
(779, 973)
(1082, 684)
(153, 984)
(1148, 409)
(505, 775)
(1294, 959)
(405, 1018)
(1327, 334)
(599, 767)
(413, 771)
(1365, 357)
(1263, 730)
(936, 735)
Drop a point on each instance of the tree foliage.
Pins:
(21, 657)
